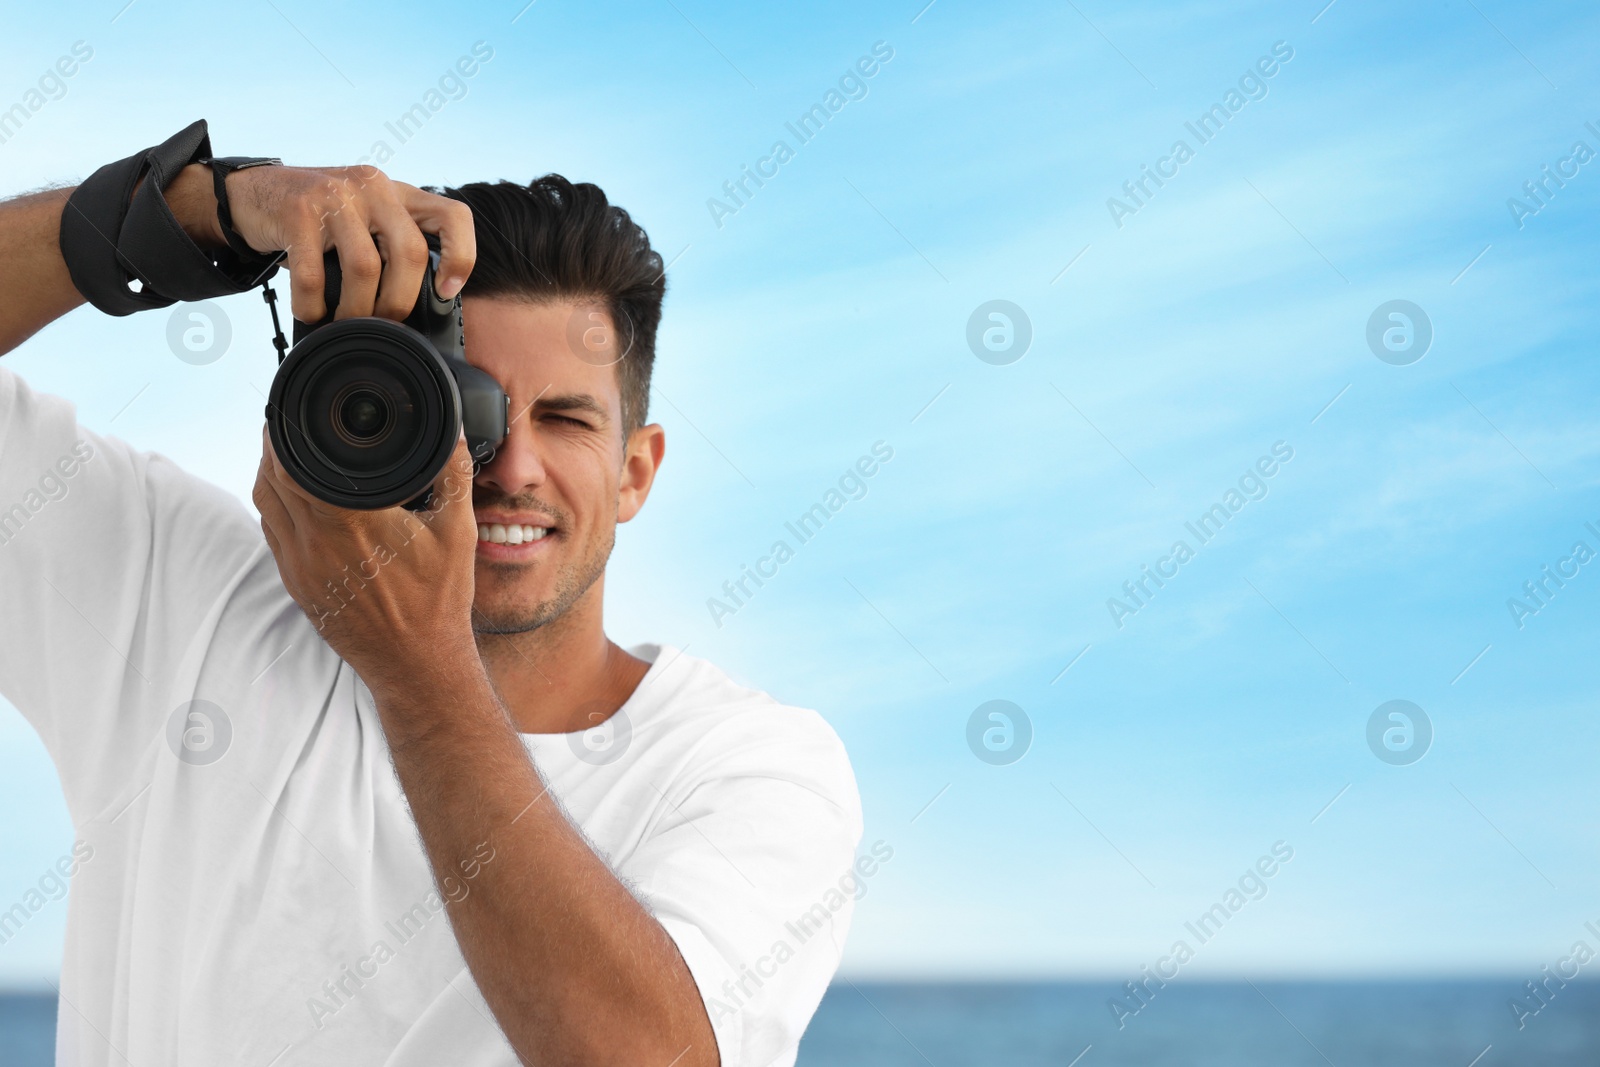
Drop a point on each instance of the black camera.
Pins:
(365, 412)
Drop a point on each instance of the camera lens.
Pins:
(360, 411)
(362, 416)
(364, 413)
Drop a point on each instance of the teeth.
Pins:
(496, 533)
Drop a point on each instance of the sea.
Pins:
(1465, 1023)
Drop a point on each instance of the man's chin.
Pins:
(512, 619)
(517, 599)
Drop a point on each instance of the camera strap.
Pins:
(113, 236)
(278, 340)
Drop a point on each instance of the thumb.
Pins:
(455, 480)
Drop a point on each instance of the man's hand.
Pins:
(376, 225)
(389, 590)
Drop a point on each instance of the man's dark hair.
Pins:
(555, 239)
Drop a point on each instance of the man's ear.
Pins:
(640, 461)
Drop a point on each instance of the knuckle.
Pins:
(412, 251)
(328, 191)
(364, 264)
(309, 214)
(410, 248)
(363, 174)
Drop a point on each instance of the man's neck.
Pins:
(567, 675)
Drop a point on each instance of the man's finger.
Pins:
(405, 256)
(459, 466)
(451, 220)
(307, 279)
(269, 501)
(454, 482)
(360, 264)
(291, 492)
(272, 544)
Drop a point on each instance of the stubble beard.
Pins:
(572, 580)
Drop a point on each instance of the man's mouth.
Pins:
(495, 533)
(510, 541)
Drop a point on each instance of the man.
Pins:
(425, 812)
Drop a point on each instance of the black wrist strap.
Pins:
(111, 236)
(245, 258)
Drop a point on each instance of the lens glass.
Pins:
(361, 415)
(361, 412)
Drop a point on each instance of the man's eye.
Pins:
(567, 419)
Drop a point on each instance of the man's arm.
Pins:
(303, 210)
(574, 968)
(33, 276)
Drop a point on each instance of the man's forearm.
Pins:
(35, 286)
(574, 968)
(34, 281)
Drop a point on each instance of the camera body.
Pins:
(365, 412)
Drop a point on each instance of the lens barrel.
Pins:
(364, 413)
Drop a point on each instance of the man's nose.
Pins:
(516, 466)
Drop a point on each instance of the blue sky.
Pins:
(830, 312)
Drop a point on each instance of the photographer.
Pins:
(373, 786)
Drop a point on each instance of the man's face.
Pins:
(548, 503)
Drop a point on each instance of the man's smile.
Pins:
(513, 538)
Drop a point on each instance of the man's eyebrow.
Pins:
(573, 402)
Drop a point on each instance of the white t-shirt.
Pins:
(248, 886)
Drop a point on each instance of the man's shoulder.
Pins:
(692, 689)
(42, 428)
(732, 723)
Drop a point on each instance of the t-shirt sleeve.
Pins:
(112, 561)
(752, 871)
